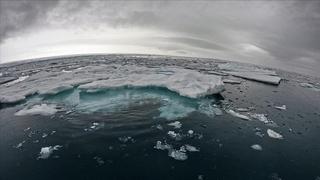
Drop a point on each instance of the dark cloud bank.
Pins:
(282, 31)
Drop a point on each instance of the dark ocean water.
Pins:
(112, 134)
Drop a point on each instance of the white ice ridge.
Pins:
(43, 109)
(185, 82)
(250, 72)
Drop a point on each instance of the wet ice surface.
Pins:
(153, 133)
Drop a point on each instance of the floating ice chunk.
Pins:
(158, 126)
(256, 147)
(44, 135)
(260, 117)
(208, 109)
(245, 109)
(27, 129)
(175, 124)
(45, 152)
(191, 148)
(250, 73)
(43, 109)
(18, 146)
(163, 146)
(174, 135)
(177, 155)
(283, 107)
(273, 134)
(310, 86)
(190, 132)
(20, 79)
(235, 114)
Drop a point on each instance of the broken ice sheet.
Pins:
(175, 124)
(273, 134)
(45, 152)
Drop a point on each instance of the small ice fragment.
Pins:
(244, 109)
(190, 132)
(235, 114)
(45, 152)
(95, 124)
(177, 155)
(260, 134)
(283, 107)
(191, 148)
(125, 139)
(52, 132)
(159, 127)
(174, 135)
(99, 160)
(274, 134)
(200, 177)
(163, 146)
(175, 124)
(256, 147)
(44, 135)
(20, 145)
(27, 129)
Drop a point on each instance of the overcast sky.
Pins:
(283, 34)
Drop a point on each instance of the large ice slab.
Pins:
(185, 82)
(250, 72)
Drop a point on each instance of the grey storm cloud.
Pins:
(286, 30)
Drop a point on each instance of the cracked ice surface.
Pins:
(185, 82)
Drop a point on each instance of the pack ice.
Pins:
(185, 82)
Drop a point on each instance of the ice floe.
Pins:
(175, 124)
(189, 83)
(273, 134)
(236, 114)
(42, 109)
(45, 152)
(256, 147)
(250, 72)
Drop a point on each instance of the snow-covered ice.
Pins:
(42, 109)
(273, 134)
(256, 147)
(45, 152)
(236, 114)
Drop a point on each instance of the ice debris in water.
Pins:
(47, 151)
(18, 146)
(256, 147)
(44, 135)
(162, 146)
(283, 107)
(273, 134)
(191, 148)
(99, 160)
(250, 72)
(260, 117)
(42, 109)
(211, 110)
(126, 139)
(236, 114)
(190, 132)
(175, 110)
(177, 154)
(310, 86)
(174, 135)
(175, 124)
